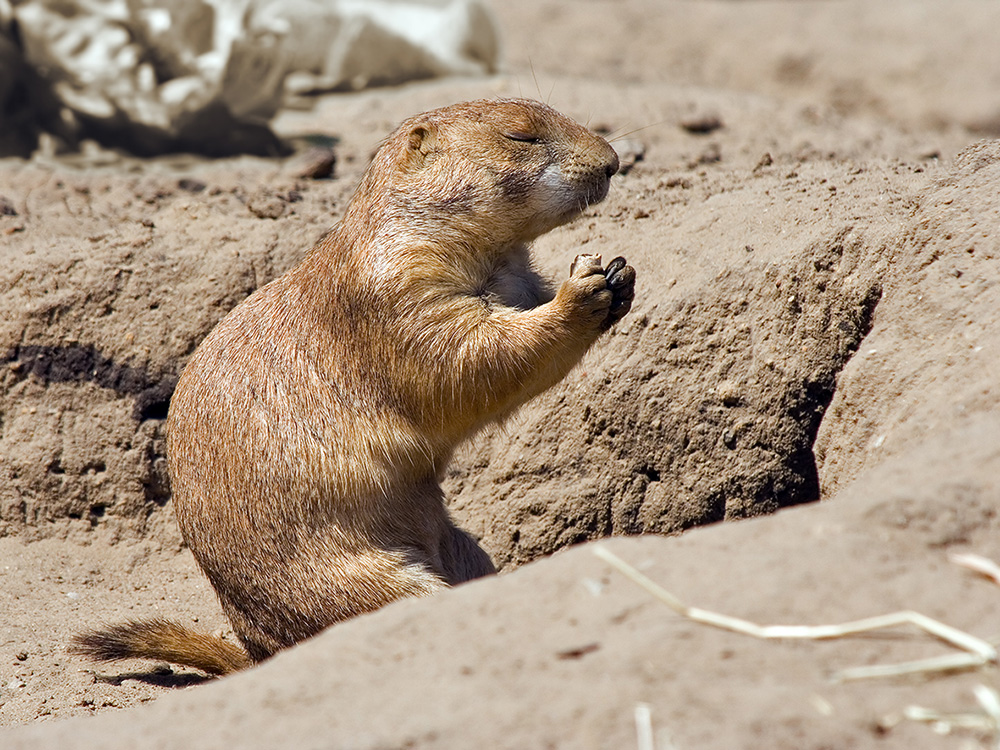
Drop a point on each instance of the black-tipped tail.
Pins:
(164, 641)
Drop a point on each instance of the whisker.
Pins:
(612, 138)
(538, 88)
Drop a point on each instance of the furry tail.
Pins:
(162, 640)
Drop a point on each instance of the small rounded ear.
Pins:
(421, 141)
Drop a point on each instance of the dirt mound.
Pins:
(925, 368)
(704, 405)
(111, 283)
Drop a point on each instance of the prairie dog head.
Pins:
(504, 171)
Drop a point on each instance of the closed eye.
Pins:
(522, 137)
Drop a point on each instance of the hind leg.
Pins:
(307, 594)
(463, 558)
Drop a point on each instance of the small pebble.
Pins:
(711, 155)
(265, 205)
(764, 161)
(317, 163)
(701, 124)
(191, 185)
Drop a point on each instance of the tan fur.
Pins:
(164, 640)
(309, 431)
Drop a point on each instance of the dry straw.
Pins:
(974, 653)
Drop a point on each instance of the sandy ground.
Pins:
(816, 319)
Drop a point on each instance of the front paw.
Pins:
(599, 297)
(585, 295)
(620, 279)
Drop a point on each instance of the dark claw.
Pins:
(620, 280)
(614, 267)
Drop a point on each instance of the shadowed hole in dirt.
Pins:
(805, 407)
(817, 396)
(76, 363)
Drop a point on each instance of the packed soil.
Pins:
(798, 422)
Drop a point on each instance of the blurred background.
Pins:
(211, 76)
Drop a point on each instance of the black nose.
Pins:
(612, 168)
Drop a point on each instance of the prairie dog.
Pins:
(309, 431)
